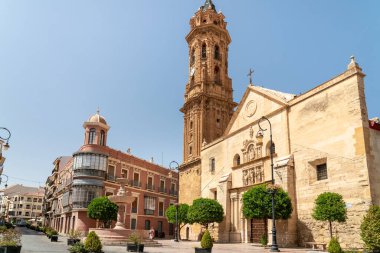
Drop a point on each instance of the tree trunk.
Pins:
(330, 229)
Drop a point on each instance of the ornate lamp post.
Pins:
(4, 180)
(175, 167)
(274, 246)
(2, 145)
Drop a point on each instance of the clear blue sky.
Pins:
(61, 60)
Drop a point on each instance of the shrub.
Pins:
(206, 242)
(75, 234)
(10, 237)
(264, 240)
(93, 243)
(370, 228)
(334, 246)
(135, 238)
(78, 248)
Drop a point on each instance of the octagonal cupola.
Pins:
(96, 130)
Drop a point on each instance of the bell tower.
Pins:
(208, 103)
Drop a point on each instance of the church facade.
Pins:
(323, 140)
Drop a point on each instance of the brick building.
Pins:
(92, 172)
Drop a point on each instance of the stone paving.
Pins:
(37, 242)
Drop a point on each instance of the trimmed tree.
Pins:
(182, 215)
(204, 211)
(257, 203)
(102, 209)
(370, 229)
(330, 206)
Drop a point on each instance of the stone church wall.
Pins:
(327, 127)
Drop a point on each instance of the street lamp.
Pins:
(6, 138)
(274, 247)
(176, 168)
(2, 179)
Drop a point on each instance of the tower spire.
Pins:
(208, 5)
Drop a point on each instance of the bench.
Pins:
(316, 245)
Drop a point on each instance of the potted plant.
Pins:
(54, 236)
(136, 245)
(78, 248)
(10, 240)
(74, 237)
(93, 243)
(206, 243)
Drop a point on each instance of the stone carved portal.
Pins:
(251, 151)
(253, 176)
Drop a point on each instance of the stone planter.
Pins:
(54, 238)
(131, 247)
(10, 249)
(72, 241)
(200, 250)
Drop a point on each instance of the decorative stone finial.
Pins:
(352, 63)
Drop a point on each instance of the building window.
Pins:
(136, 180)
(149, 205)
(191, 125)
(133, 224)
(190, 150)
(124, 173)
(161, 209)
(162, 186)
(91, 136)
(322, 171)
(192, 60)
(134, 206)
(204, 51)
(217, 74)
(237, 160)
(111, 173)
(216, 53)
(212, 165)
(147, 224)
(149, 185)
(102, 138)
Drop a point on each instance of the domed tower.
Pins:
(209, 104)
(96, 130)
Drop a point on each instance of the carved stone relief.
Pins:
(253, 176)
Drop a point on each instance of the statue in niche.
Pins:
(245, 177)
(251, 153)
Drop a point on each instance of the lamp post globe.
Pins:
(274, 246)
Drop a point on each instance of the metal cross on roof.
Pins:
(251, 71)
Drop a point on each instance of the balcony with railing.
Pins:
(110, 177)
(135, 183)
(150, 187)
(148, 212)
(89, 172)
(162, 189)
(173, 192)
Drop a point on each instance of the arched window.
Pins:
(236, 160)
(204, 51)
(192, 59)
(91, 136)
(217, 74)
(216, 52)
(102, 138)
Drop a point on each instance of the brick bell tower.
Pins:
(209, 104)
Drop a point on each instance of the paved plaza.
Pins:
(36, 242)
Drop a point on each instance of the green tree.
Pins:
(330, 206)
(102, 209)
(204, 211)
(257, 203)
(370, 228)
(182, 215)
